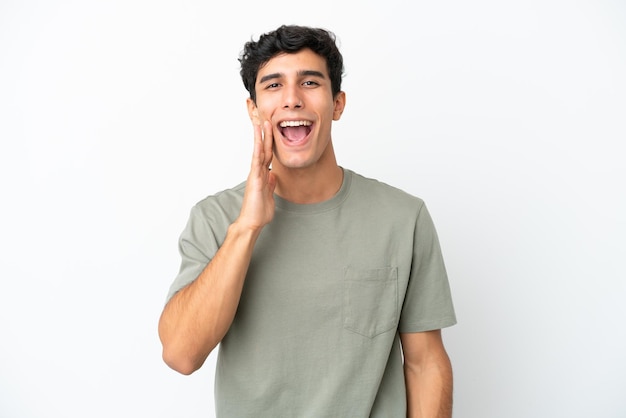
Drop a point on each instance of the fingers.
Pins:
(268, 143)
(259, 153)
(262, 155)
(271, 183)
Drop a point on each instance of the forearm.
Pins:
(196, 319)
(429, 388)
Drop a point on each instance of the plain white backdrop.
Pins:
(507, 118)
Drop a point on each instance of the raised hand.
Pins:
(197, 317)
(258, 202)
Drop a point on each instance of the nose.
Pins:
(291, 99)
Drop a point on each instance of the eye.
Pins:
(272, 86)
(310, 83)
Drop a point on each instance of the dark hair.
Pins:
(290, 39)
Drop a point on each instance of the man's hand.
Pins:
(258, 201)
(196, 319)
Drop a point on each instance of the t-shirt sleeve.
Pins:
(197, 246)
(428, 302)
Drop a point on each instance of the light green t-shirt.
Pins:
(329, 288)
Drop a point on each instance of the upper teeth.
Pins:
(286, 123)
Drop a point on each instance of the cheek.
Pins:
(266, 112)
(266, 102)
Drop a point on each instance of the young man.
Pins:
(325, 290)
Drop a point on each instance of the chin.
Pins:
(292, 162)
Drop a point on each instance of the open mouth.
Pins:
(295, 130)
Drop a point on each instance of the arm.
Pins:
(196, 318)
(428, 375)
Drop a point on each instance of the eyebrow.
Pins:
(302, 73)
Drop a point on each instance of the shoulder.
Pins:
(225, 202)
(373, 190)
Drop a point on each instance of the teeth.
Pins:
(287, 123)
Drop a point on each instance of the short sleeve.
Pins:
(197, 246)
(428, 301)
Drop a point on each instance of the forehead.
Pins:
(294, 63)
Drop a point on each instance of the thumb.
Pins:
(271, 182)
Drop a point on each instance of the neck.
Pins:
(313, 184)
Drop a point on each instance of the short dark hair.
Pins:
(291, 39)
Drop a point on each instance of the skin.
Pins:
(290, 87)
(196, 319)
(427, 375)
(296, 87)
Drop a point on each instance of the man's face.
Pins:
(293, 92)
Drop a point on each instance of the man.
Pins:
(325, 290)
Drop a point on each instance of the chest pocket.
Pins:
(370, 300)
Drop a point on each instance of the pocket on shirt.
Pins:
(370, 300)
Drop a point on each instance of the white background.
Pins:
(507, 118)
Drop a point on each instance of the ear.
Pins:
(340, 105)
(253, 111)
